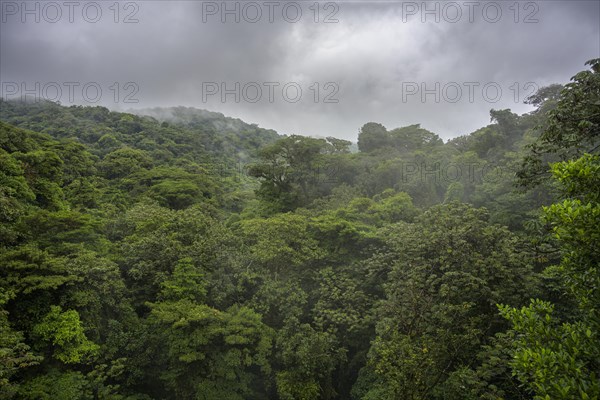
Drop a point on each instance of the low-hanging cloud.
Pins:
(397, 63)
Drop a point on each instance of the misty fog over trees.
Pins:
(133, 268)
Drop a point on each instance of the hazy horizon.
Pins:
(309, 68)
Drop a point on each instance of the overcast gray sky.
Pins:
(304, 67)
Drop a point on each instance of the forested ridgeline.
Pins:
(181, 254)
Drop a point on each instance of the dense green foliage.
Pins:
(192, 256)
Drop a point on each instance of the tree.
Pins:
(137, 264)
(15, 354)
(373, 136)
(122, 162)
(64, 332)
(450, 268)
(508, 124)
(308, 358)
(545, 98)
(210, 353)
(413, 137)
(154, 241)
(175, 187)
(338, 146)
(572, 127)
(15, 195)
(560, 359)
(291, 170)
(282, 245)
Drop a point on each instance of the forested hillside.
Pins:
(182, 254)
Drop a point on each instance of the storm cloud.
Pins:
(310, 68)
